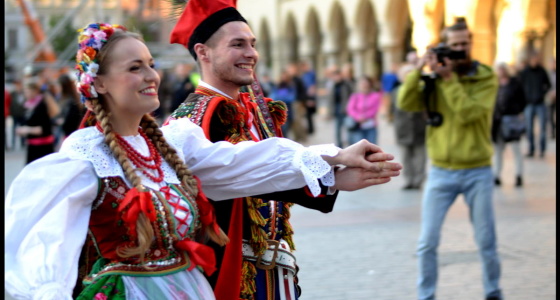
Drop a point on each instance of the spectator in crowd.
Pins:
(164, 94)
(286, 91)
(510, 104)
(17, 112)
(410, 134)
(340, 91)
(299, 106)
(551, 97)
(362, 108)
(73, 110)
(8, 121)
(309, 79)
(389, 82)
(536, 84)
(183, 84)
(267, 85)
(37, 127)
(460, 151)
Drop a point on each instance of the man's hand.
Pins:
(421, 62)
(365, 155)
(351, 179)
(443, 70)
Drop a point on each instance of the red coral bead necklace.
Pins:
(145, 163)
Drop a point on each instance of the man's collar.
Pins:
(208, 86)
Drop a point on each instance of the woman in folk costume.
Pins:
(125, 183)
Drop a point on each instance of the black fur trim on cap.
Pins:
(211, 24)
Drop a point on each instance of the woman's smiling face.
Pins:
(130, 84)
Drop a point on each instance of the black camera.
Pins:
(442, 50)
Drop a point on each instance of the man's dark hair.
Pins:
(460, 25)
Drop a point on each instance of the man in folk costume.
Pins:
(258, 262)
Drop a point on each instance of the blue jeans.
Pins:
(530, 111)
(368, 134)
(442, 188)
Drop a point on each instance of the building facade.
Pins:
(373, 34)
(369, 34)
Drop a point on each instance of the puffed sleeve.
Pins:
(250, 168)
(47, 211)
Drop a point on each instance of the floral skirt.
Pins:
(181, 285)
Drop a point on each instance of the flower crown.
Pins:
(90, 41)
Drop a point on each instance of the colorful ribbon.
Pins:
(205, 209)
(133, 203)
(200, 255)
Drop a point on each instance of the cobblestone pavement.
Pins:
(364, 249)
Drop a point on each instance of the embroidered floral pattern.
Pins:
(104, 288)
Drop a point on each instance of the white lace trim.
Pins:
(87, 144)
(314, 167)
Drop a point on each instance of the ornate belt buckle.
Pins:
(276, 245)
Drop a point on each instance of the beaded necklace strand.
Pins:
(144, 163)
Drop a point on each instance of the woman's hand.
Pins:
(352, 179)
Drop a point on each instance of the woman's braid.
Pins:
(144, 229)
(151, 128)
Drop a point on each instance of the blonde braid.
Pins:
(151, 128)
(188, 182)
(144, 229)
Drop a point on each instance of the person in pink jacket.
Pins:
(362, 109)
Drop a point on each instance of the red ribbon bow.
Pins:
(136, 202)
(200, 255)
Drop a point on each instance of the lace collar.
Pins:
(87, 144)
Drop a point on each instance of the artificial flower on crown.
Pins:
(90, 41)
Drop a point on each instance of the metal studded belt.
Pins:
(277, 254)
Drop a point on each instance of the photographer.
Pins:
(463, 95)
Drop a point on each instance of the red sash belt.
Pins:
(41, 140)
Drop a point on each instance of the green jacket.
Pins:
(463, 140)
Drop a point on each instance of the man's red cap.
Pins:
(201, 19)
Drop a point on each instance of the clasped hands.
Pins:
(363, 164)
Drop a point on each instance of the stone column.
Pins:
(358, 63)
(277, 57)
(356, 45)
(307, 50)
(391, 54)
(370, 57)
(483, 47)
(330, 50)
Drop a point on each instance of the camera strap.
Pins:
(434, 118)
